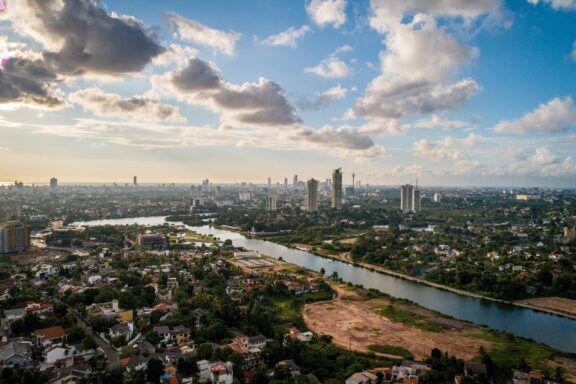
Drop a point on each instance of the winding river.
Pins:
(558, 332)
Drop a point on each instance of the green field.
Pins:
(404, 316)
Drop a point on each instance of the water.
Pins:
(556, 331)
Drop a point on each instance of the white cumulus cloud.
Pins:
(331, 67)
(557, 4)
(327, 12)
(557, 115)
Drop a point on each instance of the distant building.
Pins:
(269, 182)
(285, 182)
(53, 182)
(271, 202)
(437, 197)
(135, 181)
(409, 198)
(151, 240)
(245, 196)
(14, 237)
(311, 202)
(295, 182)
(337, 189)
(406, 197)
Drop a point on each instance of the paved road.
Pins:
(109, 351)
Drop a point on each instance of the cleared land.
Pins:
(558, 304)
(359, 323)
(396, 329)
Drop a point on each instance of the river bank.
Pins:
(520, 321)
(377, 268)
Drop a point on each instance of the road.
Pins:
(109, 351)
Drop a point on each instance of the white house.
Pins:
(59, 352)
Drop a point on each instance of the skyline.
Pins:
(453, 93)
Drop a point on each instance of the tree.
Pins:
(154, 371)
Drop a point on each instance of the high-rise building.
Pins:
(416, 200)
(14, 237)
(285, 182)
(271, 201)
(337, 189)
(311, 202)
(295, 182)
(53, 182)
(406, 192)
(409, 198)
(135, 180)
(269, 182)
(437, 197)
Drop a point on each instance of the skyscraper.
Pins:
(311, 202)
(53, 182)
(271, 201)
(295, 182)
(406, 192)
(285, 182)
(409, 198)
(135, 180)
(416, 200)
(14, 237)
(269, 182)
(337, 189)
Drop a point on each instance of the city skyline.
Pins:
(312, 85)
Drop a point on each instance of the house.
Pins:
(362, 378)
(180, 334)
(164, 333)
(50, 335)
(72, 375)
(57, 352)
(122, 329)
(135, 363)
(144, 347)
(40, 307)
(295, 334)
(16, 354)
(14, 314)
(290, 366)
(222, 373)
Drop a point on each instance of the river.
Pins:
(558, 332)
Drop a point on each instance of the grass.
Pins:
(400, 315)
(510, 350)
(391, 350)
(290, 306)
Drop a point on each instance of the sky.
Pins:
(449, 92)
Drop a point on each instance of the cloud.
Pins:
(558, 115)
(192, 31)
(563, 5)
(343, 137)
(198, 75)
(262, 104)
(420, 59)
(446, 148)
(30, 82)
(325, 98)
(140, 108)
(288, 38)
(331, 67)
(468, 14)
(543, 156)
(326, 12)
(80, 37)
(398, 98)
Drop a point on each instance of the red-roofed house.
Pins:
(50, 335)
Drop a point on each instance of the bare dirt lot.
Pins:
(353, 322)
(558, 304)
